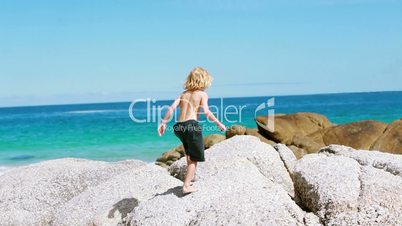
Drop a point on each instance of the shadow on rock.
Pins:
(124, 207)
(177, 191)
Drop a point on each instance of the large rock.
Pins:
(242, 182)
(262, 155)
(391, 140)
(286, 126)
(309, 132)
(170, 156)
(304, 142)
(298, 152)
(344, 186)
(30, 195)
(256, 133)
(359, 135)
(213, 139)
(235, 130)
(328, 186)
(385, 161)
(110, 202)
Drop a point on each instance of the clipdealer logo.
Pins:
(147, 110)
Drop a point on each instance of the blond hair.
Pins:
(198, 79)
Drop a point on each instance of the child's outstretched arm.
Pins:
(209, 114)
(162, 126)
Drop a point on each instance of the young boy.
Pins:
(188, 129)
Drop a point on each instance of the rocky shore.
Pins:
(309, 132)
(306, 133)
(243, 182)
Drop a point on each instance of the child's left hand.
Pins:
(222, 127)
(161, 129)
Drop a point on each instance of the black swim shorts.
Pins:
(190, 134)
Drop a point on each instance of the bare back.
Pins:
(190, 102)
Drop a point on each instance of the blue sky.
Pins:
(55, 52)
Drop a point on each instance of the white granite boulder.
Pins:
(30, 195)
(344, 186)
(262, 155)
(242, 182)
(109, 203)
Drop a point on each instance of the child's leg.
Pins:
(188, 162)
(189, 176)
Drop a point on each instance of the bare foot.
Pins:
(189, 189)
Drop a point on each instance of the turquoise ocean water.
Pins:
(106, 131)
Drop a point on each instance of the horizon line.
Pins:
(228, 97)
